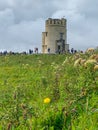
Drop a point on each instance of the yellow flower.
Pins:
(96, 67)
(47, 100)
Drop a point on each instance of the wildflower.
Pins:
(47, 100)
(77, 56)
(94, 56)
(82, 61)
(90, 50)
(92, 61)
(77, 62)
(96, 67)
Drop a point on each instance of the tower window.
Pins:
(61, 35)
(58, 22)
(46, 34)
(51, 22)
(54, 21)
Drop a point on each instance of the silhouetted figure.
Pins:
(36, 50)
(30, 51)
(75, 51)
(48, 50)
(72, 50)
(5, 52)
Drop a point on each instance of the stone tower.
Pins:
(54, 39)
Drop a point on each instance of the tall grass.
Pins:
(26, 80)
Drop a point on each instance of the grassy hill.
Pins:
(49, 92)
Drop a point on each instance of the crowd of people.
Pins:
(71, 51)
(35, 51)
(24, 52)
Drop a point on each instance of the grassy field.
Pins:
(49, 92)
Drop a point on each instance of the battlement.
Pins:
(59, 22)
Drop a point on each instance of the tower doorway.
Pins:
(59, 47)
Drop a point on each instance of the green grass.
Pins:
(26, 80)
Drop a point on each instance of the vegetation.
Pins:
(49, 92)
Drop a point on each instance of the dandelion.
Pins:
(47, 100)
(96, 67)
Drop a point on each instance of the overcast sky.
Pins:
(22, 22)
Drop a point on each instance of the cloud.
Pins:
(6, 18)
(32, 10)
(82, 23)
(23, 36)
(22, 22)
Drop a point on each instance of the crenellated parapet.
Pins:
(58, 22)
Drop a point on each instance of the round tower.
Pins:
(54, 39)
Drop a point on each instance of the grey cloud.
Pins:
(29, 10)
(22, 36)
(22, 22)
(82, 23)
(6, 18)
(89, 7)
(32, 10)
